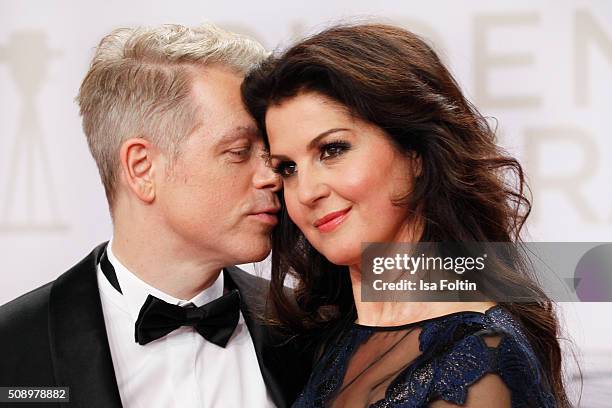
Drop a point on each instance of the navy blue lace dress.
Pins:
(417, 364)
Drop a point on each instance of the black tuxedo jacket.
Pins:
(55, 336)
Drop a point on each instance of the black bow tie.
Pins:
(215, 321)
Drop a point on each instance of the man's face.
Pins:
(218, 196)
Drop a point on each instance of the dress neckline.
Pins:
(424, 321)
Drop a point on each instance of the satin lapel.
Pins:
(79, 345)
(252, 301)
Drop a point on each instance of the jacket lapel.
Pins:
(279, 360)
(79, 345)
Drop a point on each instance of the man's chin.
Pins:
(255, 254)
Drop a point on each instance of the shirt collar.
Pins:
(135, 290)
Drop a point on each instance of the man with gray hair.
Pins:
(157, 317)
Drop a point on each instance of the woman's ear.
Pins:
(417, 163)
(137, 167)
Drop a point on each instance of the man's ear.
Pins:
(136, 156)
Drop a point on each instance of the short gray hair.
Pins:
(139, 85)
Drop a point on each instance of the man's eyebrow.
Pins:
(238, 132)
(313, 143)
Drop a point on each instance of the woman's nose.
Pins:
(311, 186)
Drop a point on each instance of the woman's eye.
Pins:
(285, 169)
(333, 149)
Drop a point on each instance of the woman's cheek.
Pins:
(356, 184)
(293, 209)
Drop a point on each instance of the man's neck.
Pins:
(165, 265)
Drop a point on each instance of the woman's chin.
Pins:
(339, 252)
(342, 259)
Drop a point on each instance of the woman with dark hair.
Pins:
(375, 142)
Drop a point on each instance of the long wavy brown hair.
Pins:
(469, 189)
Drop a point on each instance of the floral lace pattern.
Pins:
(453, 356)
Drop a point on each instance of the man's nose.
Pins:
(265, 177)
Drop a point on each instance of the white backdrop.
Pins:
(543, 69)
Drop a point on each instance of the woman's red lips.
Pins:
(331, 220)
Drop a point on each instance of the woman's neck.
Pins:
(399, 313)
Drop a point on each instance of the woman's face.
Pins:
(340, 175)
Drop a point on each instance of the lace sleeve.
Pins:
(490, 369)
(489, 391)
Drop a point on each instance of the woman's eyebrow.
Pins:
(313, 143)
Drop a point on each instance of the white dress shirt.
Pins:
(181, 369)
